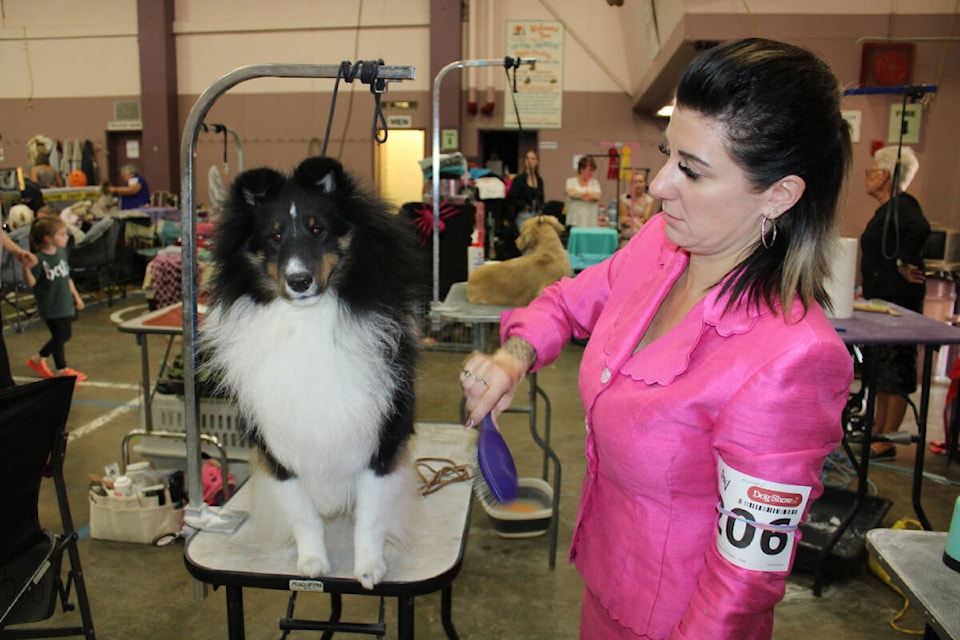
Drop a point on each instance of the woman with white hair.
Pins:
(135, 193)
(892, 269)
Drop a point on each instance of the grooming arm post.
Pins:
(188, 143)
(435, 171)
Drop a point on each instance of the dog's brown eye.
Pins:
(275, 236)
(316, 230)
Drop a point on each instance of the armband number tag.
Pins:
(758, 520)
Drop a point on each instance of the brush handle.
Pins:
(496, 463)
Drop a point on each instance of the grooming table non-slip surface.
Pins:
(914, 561)
(429, 562)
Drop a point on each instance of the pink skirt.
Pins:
(596, 623)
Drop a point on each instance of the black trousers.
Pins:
(60, 331)
(6, 378)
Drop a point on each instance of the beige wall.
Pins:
(66, 63)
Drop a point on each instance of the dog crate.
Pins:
(218, 417)
(441, 335)
(849, 554)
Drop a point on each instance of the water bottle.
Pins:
(951, 555)
(612, 218)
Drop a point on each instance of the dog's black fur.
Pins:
(301, 249)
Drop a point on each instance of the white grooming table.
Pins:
(429, 562)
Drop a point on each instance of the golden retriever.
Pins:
(515, 282)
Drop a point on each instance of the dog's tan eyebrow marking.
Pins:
(293, 210)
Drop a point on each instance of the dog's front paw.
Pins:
(313, 565)
(369, 572)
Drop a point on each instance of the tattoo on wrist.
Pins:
(521, 350)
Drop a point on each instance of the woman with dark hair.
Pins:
(712, 381)
(583, 195)
(526, 190)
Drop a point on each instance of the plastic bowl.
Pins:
(528, 516)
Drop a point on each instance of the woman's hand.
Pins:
(490, 382)
(910, 272)
(27, 259)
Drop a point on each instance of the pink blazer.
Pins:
(762, 393)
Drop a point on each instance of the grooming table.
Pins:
(168, 322)
(588, 246)
(428, 563)
(914, 562)
(161, 213)
(485, 318)
(901, 327)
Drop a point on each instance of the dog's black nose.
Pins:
(299, 282)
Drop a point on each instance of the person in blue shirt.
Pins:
(135, 193)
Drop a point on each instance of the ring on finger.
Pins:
(471, 374)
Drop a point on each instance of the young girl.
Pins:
(54, 292)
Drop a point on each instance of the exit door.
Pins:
(123, 147)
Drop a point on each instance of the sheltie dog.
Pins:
(311, 327)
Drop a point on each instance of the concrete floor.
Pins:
(505, 588)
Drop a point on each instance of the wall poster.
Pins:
(539, 96)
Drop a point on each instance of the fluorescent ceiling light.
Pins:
(666, 110)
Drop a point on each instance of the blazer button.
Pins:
(605, 376)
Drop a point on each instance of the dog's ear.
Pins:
(322, 175)
(252, 187)
(556, 224)
(527, 238)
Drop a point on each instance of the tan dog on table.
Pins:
(515, 282)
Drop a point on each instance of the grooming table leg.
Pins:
(446, 612)
(405, 618)
(235, 630)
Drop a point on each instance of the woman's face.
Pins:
(639, 184)
(710, 208)
(532, 162)
(876, 180)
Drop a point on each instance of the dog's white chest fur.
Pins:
(316, 382)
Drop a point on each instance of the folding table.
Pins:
(898, 327)
(588, 246)
(427, 563)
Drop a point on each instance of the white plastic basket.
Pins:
(219, 418)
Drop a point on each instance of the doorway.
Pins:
(123, 147)
(505, 147)
(397, 173)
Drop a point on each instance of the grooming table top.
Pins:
(914, 561)
(427, 563)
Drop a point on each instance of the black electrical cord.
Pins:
(221, 128)
(514, 63)
(909, 91)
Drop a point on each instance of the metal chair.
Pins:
(96, 256)
(11, 276)
(33, 422)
